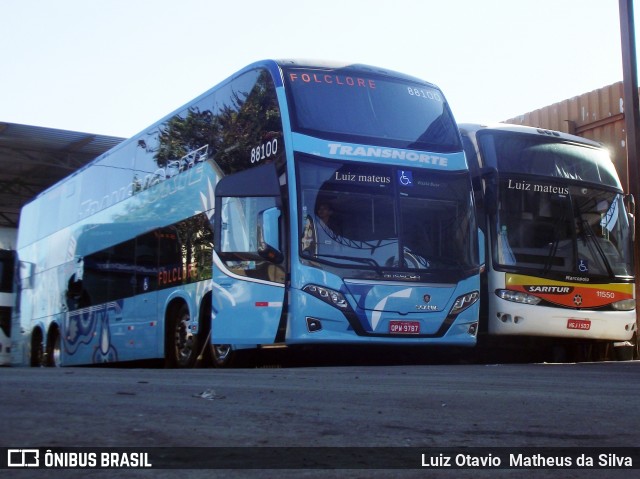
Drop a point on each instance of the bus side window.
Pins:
(146, 263)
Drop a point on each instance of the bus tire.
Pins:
(628, 353)
(36, 358)
(54, 351)
(223, 355)
(182, 344)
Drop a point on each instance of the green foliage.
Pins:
(230, 130)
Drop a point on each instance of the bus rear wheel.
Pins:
(54, 351)
(182, 344)
(37, 350)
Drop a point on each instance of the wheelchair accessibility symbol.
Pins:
(583, 266)
(405, 178)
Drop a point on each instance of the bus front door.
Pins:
(249, 272)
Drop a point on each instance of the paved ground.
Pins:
(422, 406)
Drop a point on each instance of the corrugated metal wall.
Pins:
(597, 115)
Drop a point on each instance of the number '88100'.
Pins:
(264, 151)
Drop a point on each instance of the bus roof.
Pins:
(475, 127)
(267, 63)
(360, 67)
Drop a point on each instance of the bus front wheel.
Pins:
(222, 355)
(630, 352)
(226, 356)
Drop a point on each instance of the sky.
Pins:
(114, 67)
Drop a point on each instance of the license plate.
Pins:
(582, 324)
(404, 327)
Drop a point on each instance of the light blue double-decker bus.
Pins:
(294, 203)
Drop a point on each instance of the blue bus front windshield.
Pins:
(372, 109)
(372, 217)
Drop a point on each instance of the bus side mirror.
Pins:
(631, 214)
(26, 271)
(489, 175)
(269, 235)
(490, 200)
(481, 250)
(631, 204)
(488, 172)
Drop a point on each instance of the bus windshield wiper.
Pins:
(587, 232)
(553, 247)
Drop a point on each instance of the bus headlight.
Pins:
(624, 305)
(330, 296)
(517, 297)
(464, 301)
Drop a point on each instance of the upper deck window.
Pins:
(526, 154)
(368, 108)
